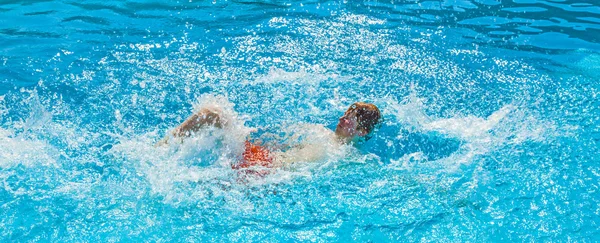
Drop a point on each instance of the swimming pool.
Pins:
(491, 124)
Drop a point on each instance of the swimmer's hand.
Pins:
(201, 119)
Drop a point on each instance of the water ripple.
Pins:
(88, 19)
(491, 128)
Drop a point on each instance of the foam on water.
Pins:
(509, 125)
(180, 168)
(478, 140)
(25, 148)
(19, 150)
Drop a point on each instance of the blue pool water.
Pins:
(491, 130)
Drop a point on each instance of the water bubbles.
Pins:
(469, 130)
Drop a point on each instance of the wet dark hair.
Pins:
(368, 115)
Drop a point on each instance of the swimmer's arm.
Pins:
(197, 121)
(301, 153)
(309, 152)
(194, 123)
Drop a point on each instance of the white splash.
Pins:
(206, 156)
(479, 135)
(301, 77)
(183, 171)
(25, 148)
(408, 161)
(310, 143)
(18, 150)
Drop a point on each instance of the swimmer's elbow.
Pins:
(201, 119)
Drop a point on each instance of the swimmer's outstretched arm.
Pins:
(201, 119)
(197, 121)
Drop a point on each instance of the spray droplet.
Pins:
(118, 115)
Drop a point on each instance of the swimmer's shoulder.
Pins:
(318, 143)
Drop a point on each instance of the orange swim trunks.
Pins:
(254, 155)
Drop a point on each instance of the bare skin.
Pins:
(195, 123)
(198, 121)
(346, 130)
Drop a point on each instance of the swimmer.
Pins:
(357, 123)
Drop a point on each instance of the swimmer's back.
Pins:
(255, 155)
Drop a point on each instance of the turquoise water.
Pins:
(491, 129)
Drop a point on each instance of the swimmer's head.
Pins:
(358, 121)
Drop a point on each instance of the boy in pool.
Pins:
(358, 122)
